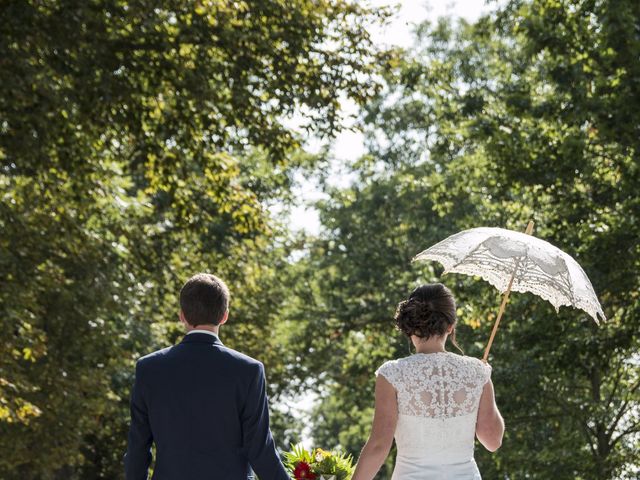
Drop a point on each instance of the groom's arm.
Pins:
(138, 457)
(257, 441)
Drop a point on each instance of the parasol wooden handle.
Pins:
(505, 299)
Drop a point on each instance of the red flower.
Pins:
(303, 472)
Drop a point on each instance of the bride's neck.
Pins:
(432, 345)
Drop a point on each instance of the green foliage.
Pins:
(297, 454)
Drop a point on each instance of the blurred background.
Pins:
(305, 151)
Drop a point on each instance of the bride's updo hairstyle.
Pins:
(429, 311)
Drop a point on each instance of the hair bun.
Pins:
(430, 310)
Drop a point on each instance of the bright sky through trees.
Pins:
(349, 145)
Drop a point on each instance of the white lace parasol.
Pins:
(540, 268)
(511, 260)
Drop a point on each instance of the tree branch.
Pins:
(622, 411)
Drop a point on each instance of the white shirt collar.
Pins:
(198, 330)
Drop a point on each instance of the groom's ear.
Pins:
(225, 317)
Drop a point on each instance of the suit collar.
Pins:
(202, 330)
(198, 337)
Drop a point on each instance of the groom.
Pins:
(203, 404)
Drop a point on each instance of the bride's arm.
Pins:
(490, 425)
(380, 440)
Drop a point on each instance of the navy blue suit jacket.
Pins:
(205, 407)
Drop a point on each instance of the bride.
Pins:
(433, 402)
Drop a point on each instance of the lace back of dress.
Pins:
(437, 385)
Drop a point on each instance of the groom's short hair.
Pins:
(204, 299)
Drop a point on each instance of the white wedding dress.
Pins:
(438, 398)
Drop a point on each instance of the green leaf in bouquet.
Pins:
(297, 454)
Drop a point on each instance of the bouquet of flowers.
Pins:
(318, 464)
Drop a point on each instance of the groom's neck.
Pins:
(208, 328)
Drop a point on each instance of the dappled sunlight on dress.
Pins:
(438, 398)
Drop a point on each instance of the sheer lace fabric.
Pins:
(495, 253)
(436, 385)
(438, 398)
